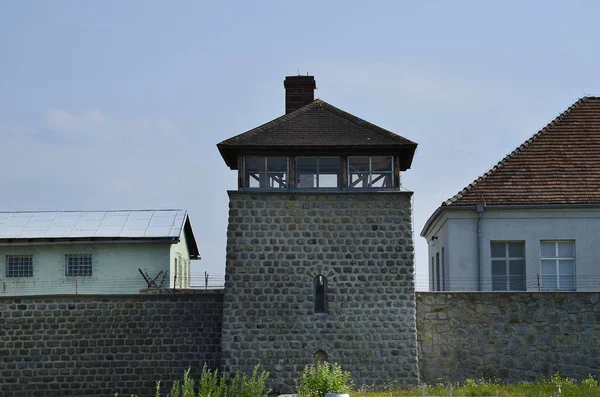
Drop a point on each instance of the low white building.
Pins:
(530, 223)
(94, 252)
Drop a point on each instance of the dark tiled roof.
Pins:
(317, 125)
(558, 165)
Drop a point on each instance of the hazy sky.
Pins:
(119, 104)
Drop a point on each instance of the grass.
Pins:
(543, 387)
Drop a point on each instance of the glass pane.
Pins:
(566, 283)
(329, 170)
(565, 250)
(329, 165)
(516, 267)
(306, 168)
(549, 283)
(381, 180)
(499, 283)
(549, 267)
(516, 250)
(359, 180)
(548, 250)
(516, 283)
(307, 181)
(278, 180)
(276, 164)
(566, 267)
(358, 164)
(306, 165)
(254, 164)
(498, 268)
(498, 250)
(381, 163)
(328, 180)
(252, 180)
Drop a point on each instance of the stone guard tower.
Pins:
(319, 246)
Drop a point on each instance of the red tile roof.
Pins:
(560, 164)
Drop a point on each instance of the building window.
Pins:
(370, 172)
(320, 294)
(317, 172)
(19, 265)
(78, 265)
(558, 265)
(266, 172)
(508, 266)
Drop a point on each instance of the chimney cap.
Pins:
(291, 81)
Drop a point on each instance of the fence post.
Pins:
(423, 387)
(205, 280)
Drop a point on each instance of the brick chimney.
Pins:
(299, 91)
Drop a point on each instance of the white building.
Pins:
(95, 252)
(530, 223)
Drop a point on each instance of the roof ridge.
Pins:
(516, 151)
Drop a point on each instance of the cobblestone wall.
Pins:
(277, 243)
(99, 345)
(510, 336)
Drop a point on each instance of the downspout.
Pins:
(480, 209)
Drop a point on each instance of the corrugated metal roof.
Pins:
(90, 224)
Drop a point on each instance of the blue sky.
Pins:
(119, 104)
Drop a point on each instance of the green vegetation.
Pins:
(544, 387)
(322, 378)
(213, 384)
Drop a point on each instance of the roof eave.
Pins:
(230, 152)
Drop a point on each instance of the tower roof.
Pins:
(318, 127)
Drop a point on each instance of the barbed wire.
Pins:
(90, 285)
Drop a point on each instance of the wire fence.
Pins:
(19, 286)
(134, 285)
(537, 282)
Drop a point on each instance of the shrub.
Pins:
(213, 384)
(322, 378)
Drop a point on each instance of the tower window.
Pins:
(317, 172)
(320, 294)
(370, 172)
(266, 172)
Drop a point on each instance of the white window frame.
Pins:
(318, 171)
(349, 174)
(507, 258)
(79, 269)
(18, 270)
(266, 172)
(557, 260)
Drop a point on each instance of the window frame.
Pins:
(79, 269)
(507, 258)
(318, 173)
(557, 259)
(266, 173)
(370, 183)
(18, 270)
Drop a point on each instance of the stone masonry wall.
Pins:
(511, 336)
(98, 345)
(277, 243)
